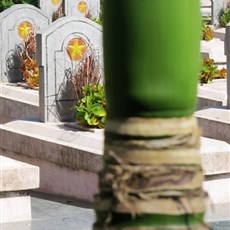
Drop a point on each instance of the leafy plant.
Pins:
(29, 67)
(207, 32)
(4, 4)
(88, 14)
(222, 73)
(224, 17)
(209, 71)
(91, 109)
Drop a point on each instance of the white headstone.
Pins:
(55, 44)
(86, 8)
(217, 7)
(53, 8)
(15, 25)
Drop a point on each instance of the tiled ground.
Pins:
(54, 213)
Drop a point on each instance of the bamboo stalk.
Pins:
(151, 53)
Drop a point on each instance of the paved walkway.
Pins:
(55, 213)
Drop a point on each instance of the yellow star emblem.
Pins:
(24, 29)
(82, 7)
(76, 49)
(55, 2)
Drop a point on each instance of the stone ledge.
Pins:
(16, 175)
(215, 156)
(215, 49)
(215, 122)
(17, 102)
(76, 149)
(213, 94)
(218, 190)
(72, 155)
(14, 108)
(54, 143)
(220, 33)
(11, 90)
(16, 206)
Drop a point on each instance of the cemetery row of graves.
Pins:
(44, 63)
(48, 64)
(58, 58)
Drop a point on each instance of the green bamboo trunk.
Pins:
(151, 55)
(151, 50)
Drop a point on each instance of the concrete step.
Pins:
(213, 94)
(75, 157)
(219, 33)
(205, 3)
(15, 179)
(63, 154)
(214, 49)
(215, 122)
(215, 157)
(17, 102)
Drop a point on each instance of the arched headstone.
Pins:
(86, 8)
(61, 46)
(15, 25)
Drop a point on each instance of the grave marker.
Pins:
(15, 25)
(217, 7)
(87, 8)
(61, 47)
(53, 8)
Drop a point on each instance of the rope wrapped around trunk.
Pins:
(155, 171)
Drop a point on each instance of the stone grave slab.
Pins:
(15, 178)
(213, 94)
(79, 153)
(215, 122)
(15, 26)
(220, 33)
(61, 47)
(214, 49)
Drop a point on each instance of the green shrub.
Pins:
(4, 4)
(209, 71)
(207, 32)
(224, 17)
(91, 109)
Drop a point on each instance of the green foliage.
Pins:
(207, 32)
(98, 20)
(209, 71)
(4, 4)
(224, 17)
(91, 109)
